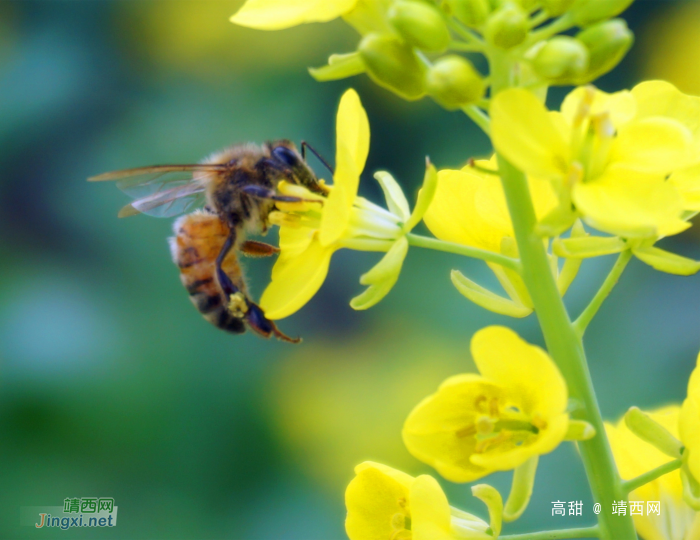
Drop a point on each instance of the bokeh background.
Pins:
(112, 385)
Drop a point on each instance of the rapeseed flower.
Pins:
(690, 426)
(477, 424)
(384, 503)
(607, 155)
(676, 520)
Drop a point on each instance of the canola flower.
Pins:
(383, 502)
(476, 424)
(626, 164)
(676, 519)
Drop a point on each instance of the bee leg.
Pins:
(252, 248)
(227, 286)
(261, 325)
(260, 192)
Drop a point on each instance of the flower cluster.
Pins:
(416, 48)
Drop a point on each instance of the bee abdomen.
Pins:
(198, 242)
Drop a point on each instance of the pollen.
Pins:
(237, 305)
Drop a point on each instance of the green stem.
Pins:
(565, 346)
(563, 342)
(466, 47)
(459, 249)
(651, 475)
(584, 532)
(479, 117)
(587, 315)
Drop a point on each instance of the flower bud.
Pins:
(393, 65)
(586, 12)
(507, 27)
(607, 43)
(420, 25)
(556, 7)
(470, 12)
(562, 59)
(452, 81)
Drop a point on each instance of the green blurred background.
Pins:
(112, 385)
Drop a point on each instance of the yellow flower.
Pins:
(386, 504)
(677, 521)
(469, 208)
(609, 154)
(279, 14)
(310, 233)
(477, 424)
(690, 424)
(364, 15)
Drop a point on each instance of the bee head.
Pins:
(286, 156)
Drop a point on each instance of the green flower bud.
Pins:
(607, 43)
(561, 60)
(506, 27)
(556, 7)
(470, 12)
(453, 82)
(586, 12)
(420, 25)
(393, 64)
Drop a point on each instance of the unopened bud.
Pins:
(586, 12)
(555, 8)
(470, 12)
(420, 25)
(507, 27)
(393, 64)
(453, 82)
(607, 43)
(562, 59)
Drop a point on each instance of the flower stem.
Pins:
(587, 315)
(585, 532)
(459, 249)
(564, 345)
(651, 475)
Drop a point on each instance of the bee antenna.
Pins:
(305, 145)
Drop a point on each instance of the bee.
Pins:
(225, 197)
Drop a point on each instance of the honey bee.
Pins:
(233, 192)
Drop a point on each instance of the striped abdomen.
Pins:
(198, 240)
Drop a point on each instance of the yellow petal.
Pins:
(401, 477)
(630, 204)
(621, 106)
(454, 215)
(431, 431)
(372, 498)
(279, 14)
(524, 133)
(653, 145)
(687, 182)
(430, 511)
(296, 281)
(659, 98)
(526, 370)
(352, 147)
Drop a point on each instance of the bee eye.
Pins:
(285, 155)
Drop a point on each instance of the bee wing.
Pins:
(162, 190)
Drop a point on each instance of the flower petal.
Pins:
(687, 182)
(395, 199)
(382, 277)
(689, 424)
(372, 498)
(621, 106)
(524, 133)
(630, 204)
(653, 145)
(296, 281)
(526, 370)
(352, 147)
(279, 14)
(430, 511)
